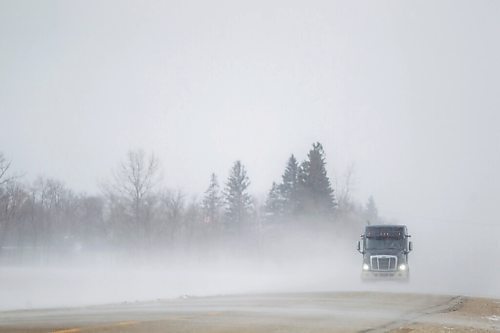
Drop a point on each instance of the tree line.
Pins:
(44, 220)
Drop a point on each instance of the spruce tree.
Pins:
(274, 203)
(289, 187)
(316, 193)
(238, 201)
(302, 191)
(212, 202)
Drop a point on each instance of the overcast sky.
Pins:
(406, 91)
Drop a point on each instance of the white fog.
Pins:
(182, 150)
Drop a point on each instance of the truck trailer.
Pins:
(385, 250)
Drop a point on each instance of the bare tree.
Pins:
(54, 215)
(4, 167)
(136, 177)
(174, 205)
(12, 197)
(175, 202)
(133, 186)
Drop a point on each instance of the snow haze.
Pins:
(405, 94)
(405, 91)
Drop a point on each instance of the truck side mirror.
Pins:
(410, 246)
(359, 247)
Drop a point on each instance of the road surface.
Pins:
(304, 312)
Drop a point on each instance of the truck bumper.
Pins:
(382, 276)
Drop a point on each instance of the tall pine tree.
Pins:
(289, 187)
(274, 203)
(212, 202)
(238, 201)
(282, 200)
(315, 191)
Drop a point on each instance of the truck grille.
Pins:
(383, 263)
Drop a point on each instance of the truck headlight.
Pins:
(366, 267)
(402, 267)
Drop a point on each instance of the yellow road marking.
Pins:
(71, 330)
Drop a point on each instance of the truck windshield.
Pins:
(385, 243)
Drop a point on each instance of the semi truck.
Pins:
(385, 250)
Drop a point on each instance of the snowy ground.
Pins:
(297, 312)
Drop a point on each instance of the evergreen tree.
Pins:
(212, 202)
(238, 201)
(289, 187)
(274, 202)
(302, 191)
(315, 190)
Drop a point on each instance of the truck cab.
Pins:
(385, 250)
